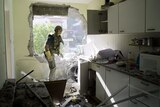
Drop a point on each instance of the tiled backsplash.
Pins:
(120, 42)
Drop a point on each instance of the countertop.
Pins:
(154, 79)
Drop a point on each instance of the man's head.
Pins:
(58, 30)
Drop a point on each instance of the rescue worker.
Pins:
(52, 47)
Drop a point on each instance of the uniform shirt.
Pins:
(54, 43)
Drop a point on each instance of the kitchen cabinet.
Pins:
(113, 19)
(83, 75)
(100, 82)
(103, 15)
(109, 81)
(97, 22)
(115, 80)
(152, 16)
(135, 103)
(132, 16)
(152, 98)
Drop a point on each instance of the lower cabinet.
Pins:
(134, 103)
(100, 82)
(145, 101)
(83, 75)
(109, 81)
(152, 97)
(115, 81)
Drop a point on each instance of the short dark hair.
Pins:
(57, 28)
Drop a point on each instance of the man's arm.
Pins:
(61, 40)
(46, 47)
(47, 51)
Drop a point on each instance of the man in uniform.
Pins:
(52, 47)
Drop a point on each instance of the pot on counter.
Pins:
(144, 41)
(149, 41)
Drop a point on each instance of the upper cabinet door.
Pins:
(152, 15)
(97, 22)
(93, 21)
(103, 16)
(113, 19)
(132, 16)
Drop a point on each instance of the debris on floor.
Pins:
(75, 101)
(7, 93)
(72, 97)
(33, 94)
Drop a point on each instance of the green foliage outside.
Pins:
(40, 33)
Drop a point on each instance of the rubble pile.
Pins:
(7, 93)
(32, 94)
(75, 101)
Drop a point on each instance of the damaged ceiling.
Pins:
(65, 1)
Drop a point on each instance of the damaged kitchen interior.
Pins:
(111, 53)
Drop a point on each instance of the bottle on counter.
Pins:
(138, 61)
(129, 55)
(130, 61)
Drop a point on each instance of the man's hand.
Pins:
(48, 55)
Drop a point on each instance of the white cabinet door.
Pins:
(152, 15)
(113, 19)
(132, 16)
(138, 86)
(100, 82)
(115, 80)
(135, 103)
(150, 101)
(83, 75)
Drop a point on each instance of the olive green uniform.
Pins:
(54, 47)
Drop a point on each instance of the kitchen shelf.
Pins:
(140, 45)
(105, 21)
(97, 21)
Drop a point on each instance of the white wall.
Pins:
(2, 46)
(95, 4)
(112, 41)
(121, 42)
(22, 35)
(9, 38)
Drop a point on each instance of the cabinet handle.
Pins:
(100, 13)
(134, 102)
(146, 84)
(151, 29)
(121, 31)
(108, 70)
(98, 66)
